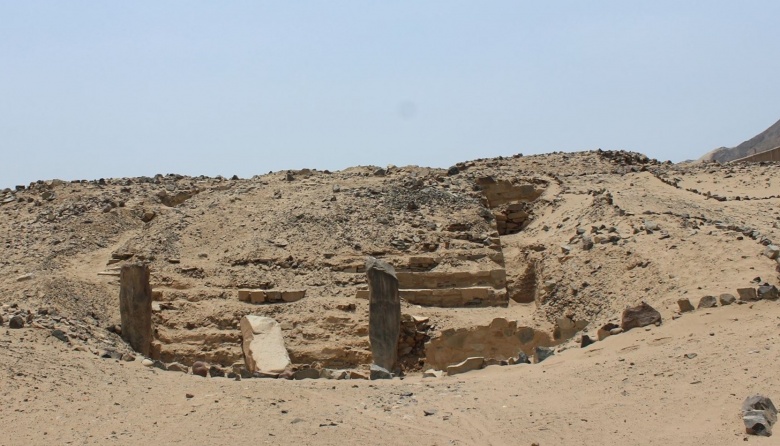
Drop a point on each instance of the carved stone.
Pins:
(135, 307)
(384, 320)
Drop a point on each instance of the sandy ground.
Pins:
(636, 388)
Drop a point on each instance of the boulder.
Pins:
(747, 294)
(263, 345)
(772, 251)
(216, 371)
(685, 305)
(473, 363)
(759, 414)
(16, 322)
(768, 292)
(640, 316)
(707, 302)
(585, 341)
(542, 353)
(384, 319)
(727, 299)
(378, 372)
(200, 368)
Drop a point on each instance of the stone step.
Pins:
(451, 297)
(495, 278)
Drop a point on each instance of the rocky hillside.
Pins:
(558, 243)
(766, 140)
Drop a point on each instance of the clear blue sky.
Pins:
(108, 89)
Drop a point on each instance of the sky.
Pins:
(101, 89)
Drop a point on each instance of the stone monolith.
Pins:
(135, 307)
(263, 345)
(384, 319)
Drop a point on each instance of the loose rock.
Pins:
(542, 353)
(685, 305)
(759, 414)
(707, 302)
(200, 368)
(16, 322)
(378, 372)
(727, 299)
(640, 316)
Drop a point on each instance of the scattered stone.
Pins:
(378, 372)
(429, 412)
(147, 362)
(587, 242)
(768, 292)
(59, 334)
(651, 225)
(542, 353)
(473, 363)
(16, 322)
(262, 375)
(110, 354)
(772, 251)
(306, 374)
(24, 277)
(263, 345)
(685, 305)
(189, 396)
(384, 313)
(200, 368)
(333, 374)
(727, 299)
(708, 302)
(690, 355)
(640, 316)
(216, 371)
(585, 341)
(177, 367)
(159, 365)
(431, 373)
(357, 375)
(347, 307)
(759, 414)
(747, 294)
(606, 330)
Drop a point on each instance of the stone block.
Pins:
(293, 296)
(263, 345)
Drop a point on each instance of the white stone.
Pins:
(263, 345)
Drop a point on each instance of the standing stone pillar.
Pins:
(384, 319)
(135, 307)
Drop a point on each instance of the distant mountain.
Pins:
(766, 140)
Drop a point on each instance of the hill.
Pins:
(494, 257)
(766, 140)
